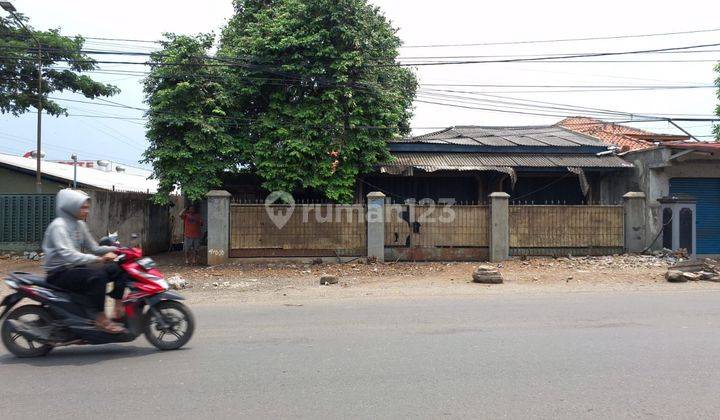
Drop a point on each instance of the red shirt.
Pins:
(193, 224)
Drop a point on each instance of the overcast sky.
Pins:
(420, 22)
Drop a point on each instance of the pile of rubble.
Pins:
(27, 255)
(176, 282)
(622, 262)
(694, 270)
(487, 274)
(31, 255)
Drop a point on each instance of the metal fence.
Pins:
(24, 218)
(562, 230)
(302, 230)
(417, 232)
(436, 225)
(436, 232)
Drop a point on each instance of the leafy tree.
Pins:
(18, 68)
(304, 93)
(319, 82)
(187, 127)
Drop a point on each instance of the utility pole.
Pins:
(74, 159)
(38, 152)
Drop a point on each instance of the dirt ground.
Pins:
(286, 282)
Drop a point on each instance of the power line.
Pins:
(573, 86)
(543, 104)
(122, 40)
(506, 106)
(513, 103)
(401, 58)
(488, 109)
(554, 115)
(560, 57)
(544, 41)
(637, 89)
(553, 58)
(63, 149)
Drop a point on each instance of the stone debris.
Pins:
(177, 283)
(691, 276)
(675, 276)
(706, 275)
(593, 263)
(487, 274)
(694, 270)
(32, 255)
(326, 280)
(250, 284)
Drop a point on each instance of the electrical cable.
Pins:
(545, 41)
(555, 58)
(662, 228)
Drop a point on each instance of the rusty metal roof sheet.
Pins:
(481, 161)
(528, 136)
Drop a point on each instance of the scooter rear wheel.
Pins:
(179, 328)
(18, 344)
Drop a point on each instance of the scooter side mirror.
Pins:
(105, 241)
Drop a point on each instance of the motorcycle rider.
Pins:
(70, 268)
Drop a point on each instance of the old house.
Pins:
(534, 164)
(17, 176)
(667, 166)
(120, 202)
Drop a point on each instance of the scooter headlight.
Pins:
(158, 280)
(163, 283)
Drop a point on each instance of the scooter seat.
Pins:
(34, 280)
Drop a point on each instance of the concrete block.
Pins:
(218, 227)
(635, 223)
(376, 226)
(499, 226)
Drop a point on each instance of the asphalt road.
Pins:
(604, 355)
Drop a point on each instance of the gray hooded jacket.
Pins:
(66, 237)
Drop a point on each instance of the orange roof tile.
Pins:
(626, 138)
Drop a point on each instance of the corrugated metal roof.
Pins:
(86, 176)
(529, 136)
(468, 161)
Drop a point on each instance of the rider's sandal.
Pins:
(111, 327)
(118, 317)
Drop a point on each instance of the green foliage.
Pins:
(320, 84)
(305, 93)
(18, 69)
(189, 143)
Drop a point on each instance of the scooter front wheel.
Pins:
(169, 325)
(17, 343)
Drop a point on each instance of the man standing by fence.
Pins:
(192, 223)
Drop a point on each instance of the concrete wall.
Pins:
(612, 187)
(653, 171)
(129, 213)
(16, 182)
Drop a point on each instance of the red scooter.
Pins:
(59, 320)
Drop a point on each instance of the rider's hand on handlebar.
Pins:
(109, 257)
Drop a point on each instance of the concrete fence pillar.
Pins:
(635, 226)
(376, 226)
(218, 227)
(499, 226)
